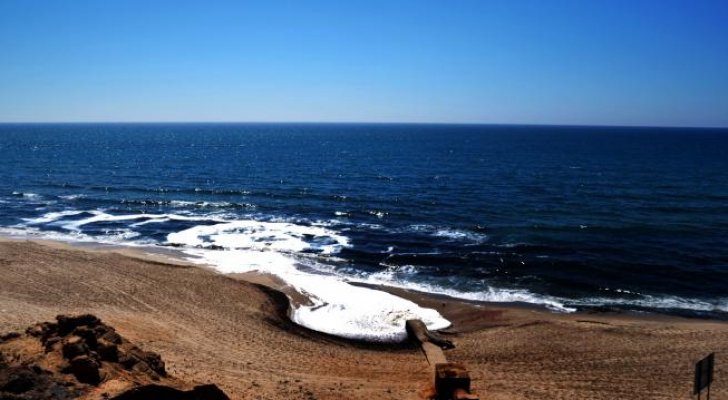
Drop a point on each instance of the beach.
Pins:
(215, 328)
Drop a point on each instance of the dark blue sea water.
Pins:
(571, 217)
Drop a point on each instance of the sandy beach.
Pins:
(226, 330)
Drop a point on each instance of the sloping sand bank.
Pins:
(214, 328)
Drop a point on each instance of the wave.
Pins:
(52, 217)
(653, 302)
(377, 213)
(453, 234)
(402, 277)
(262, 236)
(27, 195)
(187, 204)
(210, 204)
(72, 197)
(120, 237)
(460, 235)
(161, 203)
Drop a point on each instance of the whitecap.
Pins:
(51, 217)
(378, 214)
(460, 235)
(26, 195)
(658, 302)
(113, 237)
(262, 236)
(72, 196)
(401, 277)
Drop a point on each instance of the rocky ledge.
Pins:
(80, 357)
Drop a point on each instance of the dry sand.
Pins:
(214, 328)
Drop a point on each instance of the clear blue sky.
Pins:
(658, 62)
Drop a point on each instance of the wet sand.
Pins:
(224, 329)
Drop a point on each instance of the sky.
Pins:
(582, 62)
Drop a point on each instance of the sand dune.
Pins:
(214, 328)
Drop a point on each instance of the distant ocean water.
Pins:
(567, 217)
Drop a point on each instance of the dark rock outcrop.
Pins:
(86, 369)
(203, 392)
(83, 352)
(86, 343)
(26, 382)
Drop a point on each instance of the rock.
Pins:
(16, 380)
(31, 383)
(211, 392)
(92, 352)
(37, 369)
(108, 351)
(127, 361)
(144, 369)
(88, 335)
(73, 347)
(86, 370)
(66, 324)
(101, 329)
(43, 330)
(155, 362)
(112, 336)
(9, 336)
(51, 342)
(137, 355)
(160, 392)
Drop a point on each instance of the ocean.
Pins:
(570, 218)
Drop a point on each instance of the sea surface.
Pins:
(565, 217)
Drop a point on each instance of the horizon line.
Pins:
(361, 123)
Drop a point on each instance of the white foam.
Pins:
(271, 246)
(448, 233)
(51, 217)
(401, 277)
(72, 196)
(377, 213)
(421, 228)
(208, 204)
(659, 302)
(337, 308)
(75, 231)
(100, 216)
(461, 235)
(262, 236)
(116, 237)
(359, 313)
(26, 195)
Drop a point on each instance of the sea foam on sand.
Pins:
(336, 307)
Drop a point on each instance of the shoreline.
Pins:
(209, 327)
(171, 256)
